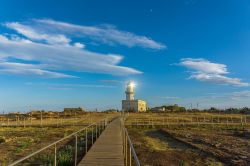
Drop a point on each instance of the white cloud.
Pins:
(79, 45)
(37, 35)
(205, 66)
(58, 58)
(39, 28)
(232, 99)
(69, 86)
(44, 48)
(241, 95)
(204, 70)
(29, 69)
(220, 79)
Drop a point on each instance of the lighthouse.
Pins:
(131, 104)
(130, 93)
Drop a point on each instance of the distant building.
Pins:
(73, 110)
(130, 104)
(158, 109)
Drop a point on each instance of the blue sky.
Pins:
(81, 53)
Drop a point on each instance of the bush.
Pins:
(2, 139)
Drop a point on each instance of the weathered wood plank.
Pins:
(107, 150)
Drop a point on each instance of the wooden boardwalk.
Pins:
(107, 150)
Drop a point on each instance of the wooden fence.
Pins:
(189, 121)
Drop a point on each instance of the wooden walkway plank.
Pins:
(107, 150)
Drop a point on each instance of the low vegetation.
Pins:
(17, 141)
(181, 143)
(177, 108)
(166, 138)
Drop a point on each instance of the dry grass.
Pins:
(19, 141)
(190, 144)
(50, 121)
(156, 144)
(154, 149)
(188, 119)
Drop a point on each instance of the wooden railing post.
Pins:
(130, 159)
(24, 125)
(75, 149)
(55, 155)
(54, 145)
(127, 142)
(96, 132)
(126, 150)
(86, 141)
(123, 140)
(92, 134)
(227, 122)
(41, 119)
(99, 131)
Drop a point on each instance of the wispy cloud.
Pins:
(204, 70)
(59, 86)
(202, 65)
(240, 95)
(55, 57)
(29, 69)
(51, 31)
(38, 34)
(48, 44)
(111, 81)
(219, 99)
(170, 97)
(219, 79)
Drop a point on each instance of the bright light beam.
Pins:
(132, 84)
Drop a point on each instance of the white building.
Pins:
(130, 104)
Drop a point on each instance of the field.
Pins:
(190, 138)
(49, 119)
(20, 137)
(159, 138)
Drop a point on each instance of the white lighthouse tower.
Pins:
(130, 93)
(130, 104)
